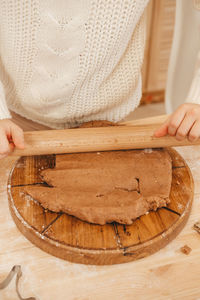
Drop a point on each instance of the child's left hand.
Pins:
(184, 122)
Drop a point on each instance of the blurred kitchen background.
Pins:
(160, 28)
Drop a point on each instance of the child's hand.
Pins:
(11, 136)
(184, 122)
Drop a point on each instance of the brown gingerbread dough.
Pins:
(102, 187)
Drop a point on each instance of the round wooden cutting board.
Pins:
(71, 239)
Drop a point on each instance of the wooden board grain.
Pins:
(72, 239)
(98, 138)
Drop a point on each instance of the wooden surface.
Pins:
(96, 139)
(149, 120)
(152, 97)
(159, 35)
(160, 27)
(167, 274)
(72, 239)
(64, 141)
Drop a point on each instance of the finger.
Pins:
(176, 120)
(194, 133)
(17, 137)
(5, 148)
(162, 130)
(11, 148)
(185, 126)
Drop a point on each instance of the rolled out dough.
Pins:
(102, 187)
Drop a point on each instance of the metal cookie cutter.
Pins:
(15, 270)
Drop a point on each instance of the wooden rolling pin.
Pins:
(136, 134)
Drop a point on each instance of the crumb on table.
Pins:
(196, 227)
(186, 249)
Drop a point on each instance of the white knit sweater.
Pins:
(66, 62)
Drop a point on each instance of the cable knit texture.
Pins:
(66, 62)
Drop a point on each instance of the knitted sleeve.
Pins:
(4, 112)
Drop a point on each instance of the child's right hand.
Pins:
(11, 136)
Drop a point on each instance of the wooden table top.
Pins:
(168, 274)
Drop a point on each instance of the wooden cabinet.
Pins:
(160, 26)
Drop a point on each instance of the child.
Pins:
(66, 62)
